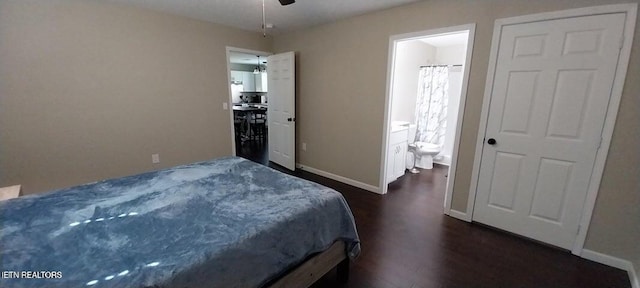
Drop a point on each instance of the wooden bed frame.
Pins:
(315, 267)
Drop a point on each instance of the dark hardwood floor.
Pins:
(255, 151)
(407, 241)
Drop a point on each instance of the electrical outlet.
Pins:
(304, 146)
(155, 158)
(225, 106)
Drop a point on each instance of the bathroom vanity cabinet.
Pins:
(397, 153)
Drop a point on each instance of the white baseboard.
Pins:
(458, 215)
(606, 259)
(443, 160)
(339, 178)
(613, 262)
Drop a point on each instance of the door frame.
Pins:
(393, 40)
(229, 50)
(612, 110)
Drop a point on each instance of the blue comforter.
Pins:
(223, 223)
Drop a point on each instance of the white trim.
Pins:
(471, 29)
(230, 49)
(387, 115)
(616, 262)
(606, 259)
(448, 195)
(458, 215)
(578, 12)
(616, 95)
(339, 178)
(609, 124)
(493, 56)
(633, 277)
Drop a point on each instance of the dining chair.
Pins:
(258, 124)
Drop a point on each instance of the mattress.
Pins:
(227, 222)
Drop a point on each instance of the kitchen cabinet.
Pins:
(261, 82)
(397, 153)
(248, 81)
(236, 76)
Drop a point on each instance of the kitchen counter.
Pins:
(253, 105)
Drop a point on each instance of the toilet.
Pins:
(421, 152)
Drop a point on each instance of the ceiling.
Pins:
(244, 58)
(247, 14)
(447, 39)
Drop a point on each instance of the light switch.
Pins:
(225, 106)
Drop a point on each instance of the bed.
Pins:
(227, 222)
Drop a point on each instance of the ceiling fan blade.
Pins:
(287, 2)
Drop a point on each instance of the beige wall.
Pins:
(342, 82)
(90, 90)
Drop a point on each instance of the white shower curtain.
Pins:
(431, 106)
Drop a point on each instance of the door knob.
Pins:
(491, 141)
(291, 119)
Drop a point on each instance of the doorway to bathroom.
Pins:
(427, 88)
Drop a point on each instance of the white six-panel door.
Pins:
(281, 77)
(551, 91)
